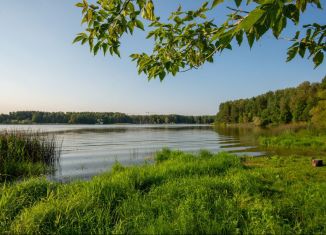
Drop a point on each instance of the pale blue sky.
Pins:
(40, 69)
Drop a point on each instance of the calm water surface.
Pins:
(88, 150)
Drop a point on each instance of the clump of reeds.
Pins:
(27, 153)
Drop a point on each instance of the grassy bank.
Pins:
(304, 139)
(26, 153)
(180, 193)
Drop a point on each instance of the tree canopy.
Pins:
(188, 39)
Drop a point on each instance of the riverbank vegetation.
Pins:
(26, 153)
(35, 117)
(179, 193)
(295, 140)
(305, 103)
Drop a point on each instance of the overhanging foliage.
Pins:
(189, 39)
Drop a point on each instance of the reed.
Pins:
(27, 153)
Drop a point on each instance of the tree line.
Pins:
(30, 117)
(303, 103)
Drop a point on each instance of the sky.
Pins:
(40, 68)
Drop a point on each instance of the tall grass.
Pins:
(180, 194)
(26, 153)
(305, 140)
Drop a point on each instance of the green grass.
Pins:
(301, 140)
(26, 153)
(181, 193)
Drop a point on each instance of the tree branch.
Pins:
(237, 10)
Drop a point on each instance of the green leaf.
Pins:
(96, 47)
(301, 4)
(317, 2)
(260, 30)
(79, 4)
(90, 43)
(84, 20)
(177, 20)
(239, 37)
(216, 2)
(279, 25)
(105, 47)
(77, 39)
(116, 51)
(251, 38)
(225, 39)
(318, 58)
(162, 75)
(238, 2)
(297, 34)
(81, 36)
(292, 52)
(148, 11)
(140, 24)
(248, 22)
(291, 12)
(84, 41)
(93, 7)
(134, 56)
(89, 15)
(131, 26)
(302, 50)
(150, 34)
(308, 33)
(141, 3)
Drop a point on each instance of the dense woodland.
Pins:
(28, 117)
(304, 103)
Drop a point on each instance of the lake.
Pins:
(88, 150)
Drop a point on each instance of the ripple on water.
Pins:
(88, 150)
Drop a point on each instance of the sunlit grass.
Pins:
(180, 193)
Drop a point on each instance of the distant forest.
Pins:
(304, 103)
(29, 117)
